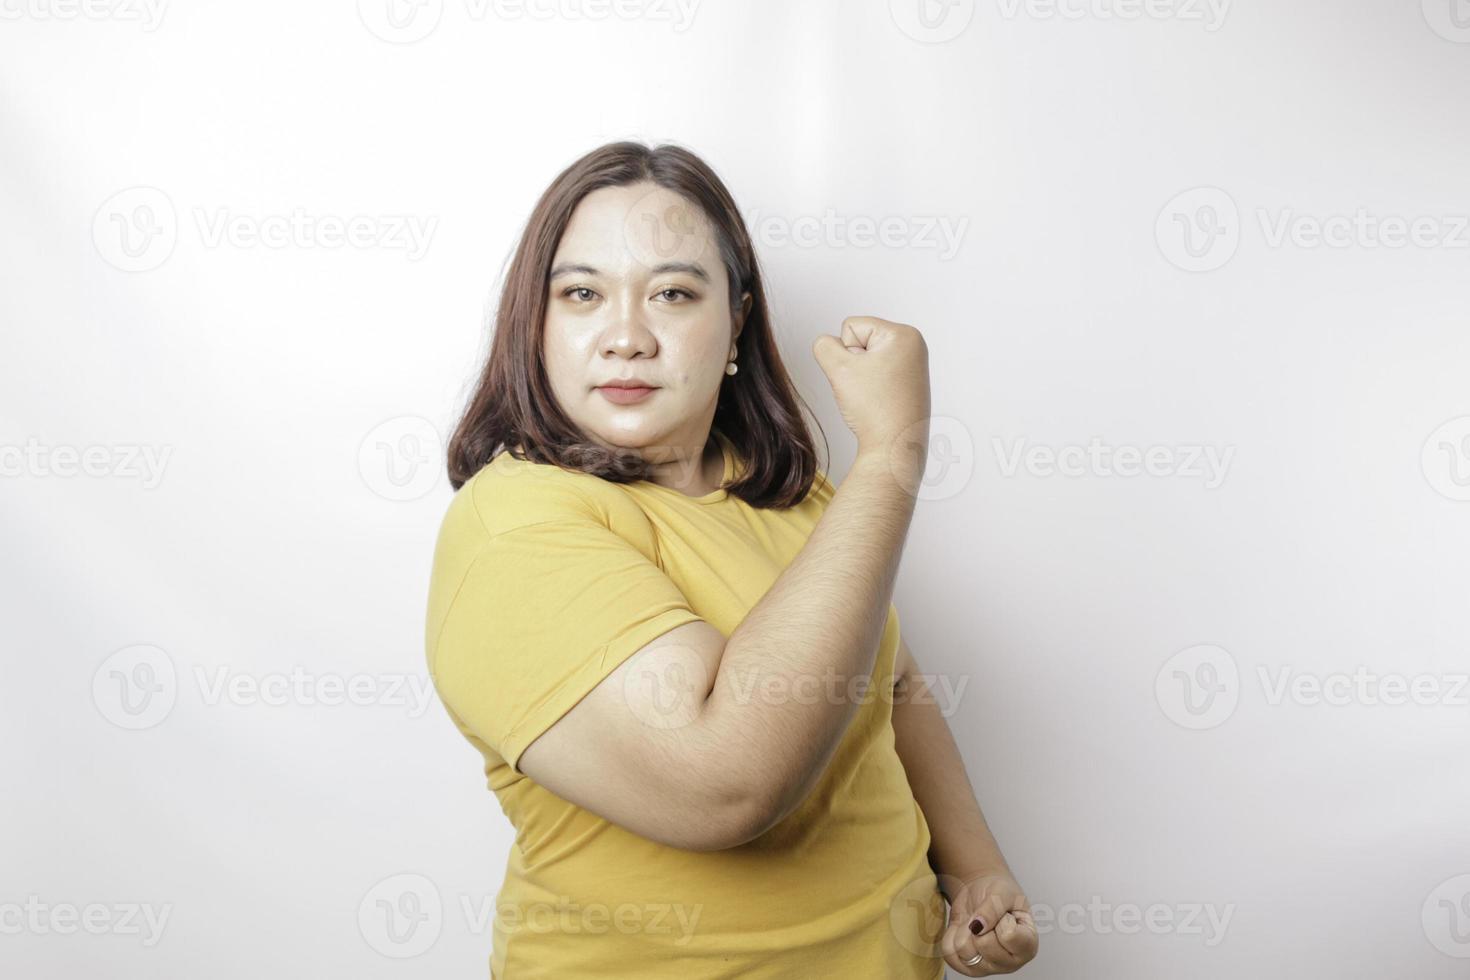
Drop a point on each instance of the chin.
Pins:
(639, 437)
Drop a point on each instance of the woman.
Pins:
(671, 638)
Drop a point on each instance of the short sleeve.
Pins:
(545, 611)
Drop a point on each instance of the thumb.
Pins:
(986, 913)
(827, 349)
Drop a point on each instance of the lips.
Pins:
(625, 394)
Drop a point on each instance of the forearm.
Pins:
(824, 616)
(961, 844)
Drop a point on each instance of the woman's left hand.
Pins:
(1005, 937)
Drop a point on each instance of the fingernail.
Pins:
(976, 927)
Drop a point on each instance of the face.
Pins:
(638, 291)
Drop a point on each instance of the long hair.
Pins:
(513, 408)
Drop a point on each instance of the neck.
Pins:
(694, 477)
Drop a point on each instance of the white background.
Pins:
(1120, 639)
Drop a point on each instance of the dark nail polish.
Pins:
(976, 927)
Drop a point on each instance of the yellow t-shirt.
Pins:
(544, 581)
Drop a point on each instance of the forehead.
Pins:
(630, 229)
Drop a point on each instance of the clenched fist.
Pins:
(879, 372)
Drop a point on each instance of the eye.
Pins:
(579, 289)
(676, 290)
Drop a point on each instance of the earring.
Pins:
(730, 368)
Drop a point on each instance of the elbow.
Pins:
(734, 817)
(725, 833)
(735, 799)
(742, 814)
(744, 823)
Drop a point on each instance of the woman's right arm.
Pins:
(823, 617)
(679, 744)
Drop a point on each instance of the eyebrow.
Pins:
(577, 268)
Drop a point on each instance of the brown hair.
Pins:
(513, 407)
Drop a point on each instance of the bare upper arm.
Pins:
(634, 751)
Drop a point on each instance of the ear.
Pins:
(746, 302)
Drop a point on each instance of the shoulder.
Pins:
(512, 505)
(508, 493)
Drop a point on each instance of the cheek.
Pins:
(564, 349)
(695, 373)
(698, 360)
(561, 364)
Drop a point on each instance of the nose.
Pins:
(628, 336)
